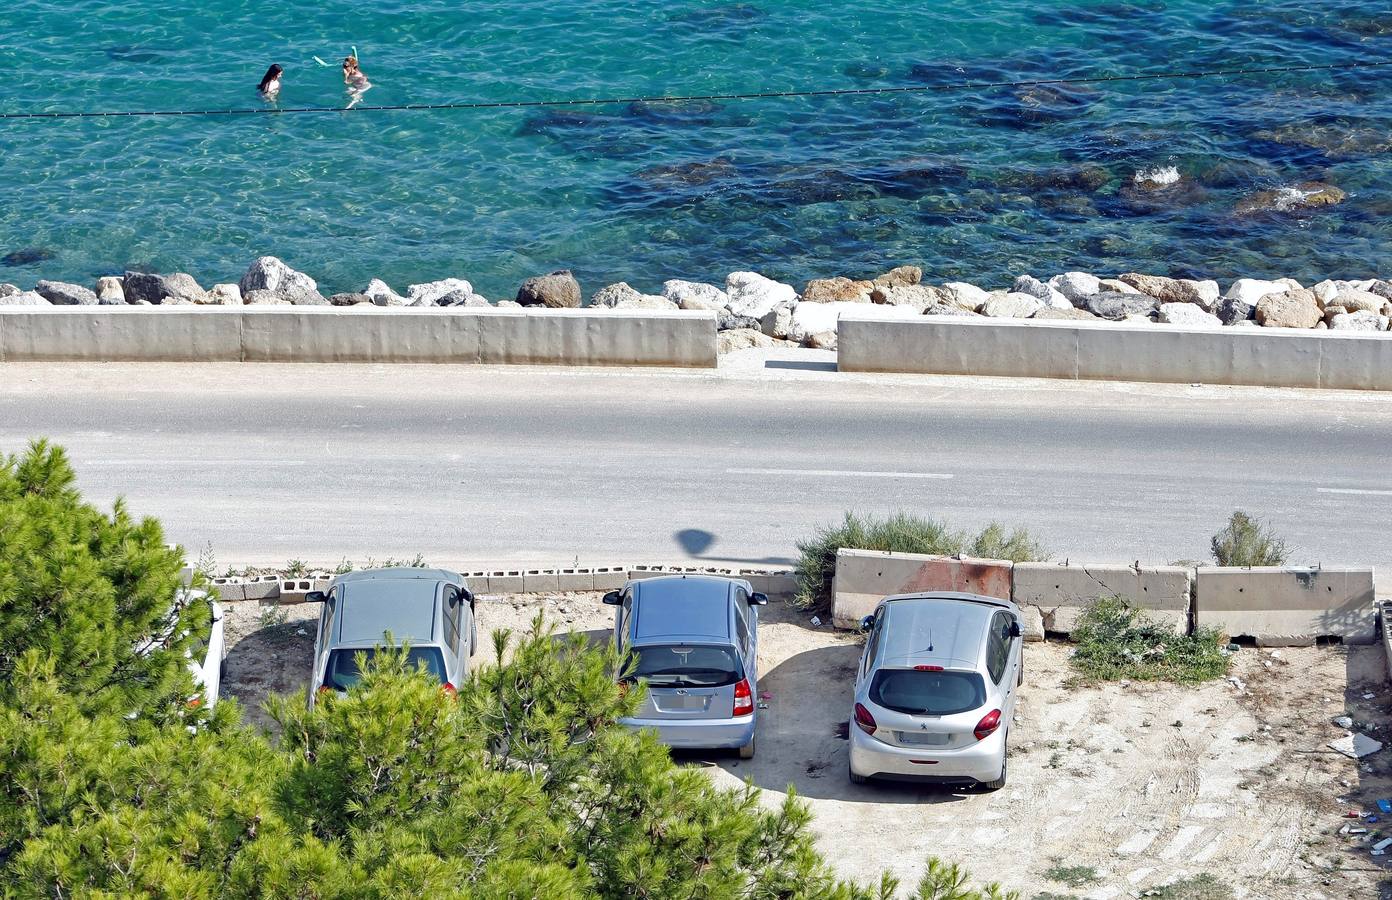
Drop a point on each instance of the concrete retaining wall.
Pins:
(1053, 595)
(575, 337)
(865, 577)
(946, 345)
(1287, 606)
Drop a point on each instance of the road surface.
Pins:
(470, 465)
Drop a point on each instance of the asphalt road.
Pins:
(467, 465)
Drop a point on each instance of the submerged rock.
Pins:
(61, 293)
(1304, 196)
(1289, 309)
(26, 257)
(559, 290)
(1156, 178)
(691, 173)
(270, 274)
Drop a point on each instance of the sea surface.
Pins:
(978, 185)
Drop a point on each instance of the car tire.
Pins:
(856, 779)
(747, 751)
(999, 783)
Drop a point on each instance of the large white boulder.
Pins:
(1076, 285)
(695, 295)
(225, 295)
(1188, 314)
(1014, 305)
(755, 296)
(1250, 290)
(270, 274)
(23, 298)
(1049, 296)
(1358, 321)
(809, 319)
(446, 292)
(967, 296)
(381, 294)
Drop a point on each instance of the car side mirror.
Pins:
(867, 623)
(758, 599)
(612, 598)
(315, 597)
(468, 596)
(1014, 629)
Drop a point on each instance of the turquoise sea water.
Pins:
(978, 186)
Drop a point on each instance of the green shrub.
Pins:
(1115, 641)
(1245, 541)
(898, 533)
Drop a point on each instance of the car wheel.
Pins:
(856, 779)
(999, 782)
(747, 751)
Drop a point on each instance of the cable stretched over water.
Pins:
(687, 98)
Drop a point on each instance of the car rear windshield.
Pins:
(343, 670)
(928, 693)
(686, 665)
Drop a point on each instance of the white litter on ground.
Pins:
(1355, 746)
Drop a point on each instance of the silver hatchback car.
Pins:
(432, 610)
(936, 689)
(695, 643)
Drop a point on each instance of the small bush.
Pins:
(1073, 876)
(898, 533)
(1244, 541)
(1115, 641)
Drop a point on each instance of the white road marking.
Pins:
(210, 461)
(1360, 491)
(836, 473)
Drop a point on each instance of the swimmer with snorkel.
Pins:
(354, 78)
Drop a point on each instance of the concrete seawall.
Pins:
(359, 334)
(1116, 351)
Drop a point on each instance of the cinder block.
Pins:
(536, 581)
(1060, 591)
(1287, 606)
(609, 578)
(865, 577)
(508, 581)
(264, 587)
(293, 590)
(575, 580)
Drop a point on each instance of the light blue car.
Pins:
(695, 640)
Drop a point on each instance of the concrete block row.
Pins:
(578, 337)
(1282, 357)
(256, 587)
(1271, 606)
(1279, 607)
(865, 577)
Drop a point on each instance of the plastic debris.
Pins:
(1343, 721)
(1383, 844)
(763, 706)
(1385, 807)
(1355, 746)
(1233, 648)
(1369, 696)
(816, 620)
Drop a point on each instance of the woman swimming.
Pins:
(355, 79)
(270, 82)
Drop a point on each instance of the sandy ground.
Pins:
(1142, 784)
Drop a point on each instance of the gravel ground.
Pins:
(1134, 784)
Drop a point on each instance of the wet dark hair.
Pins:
(271, 75)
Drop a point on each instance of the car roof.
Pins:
(368, 608)
(685, 606)
(399, 573)
(942, 627)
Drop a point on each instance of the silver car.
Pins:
(695, 642)
(936, 689)
(432, 610)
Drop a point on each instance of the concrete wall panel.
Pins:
(1060, 591)
(865, 577)
(159, 334)
(1027, 350)
(1286, 606)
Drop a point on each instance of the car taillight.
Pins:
(864, 719)
(744, 699)
(928, 668)
(448, 689)
(988, 725)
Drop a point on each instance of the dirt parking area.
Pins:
(1115, 790)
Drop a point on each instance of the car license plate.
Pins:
(681, 702)
(923, 738)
